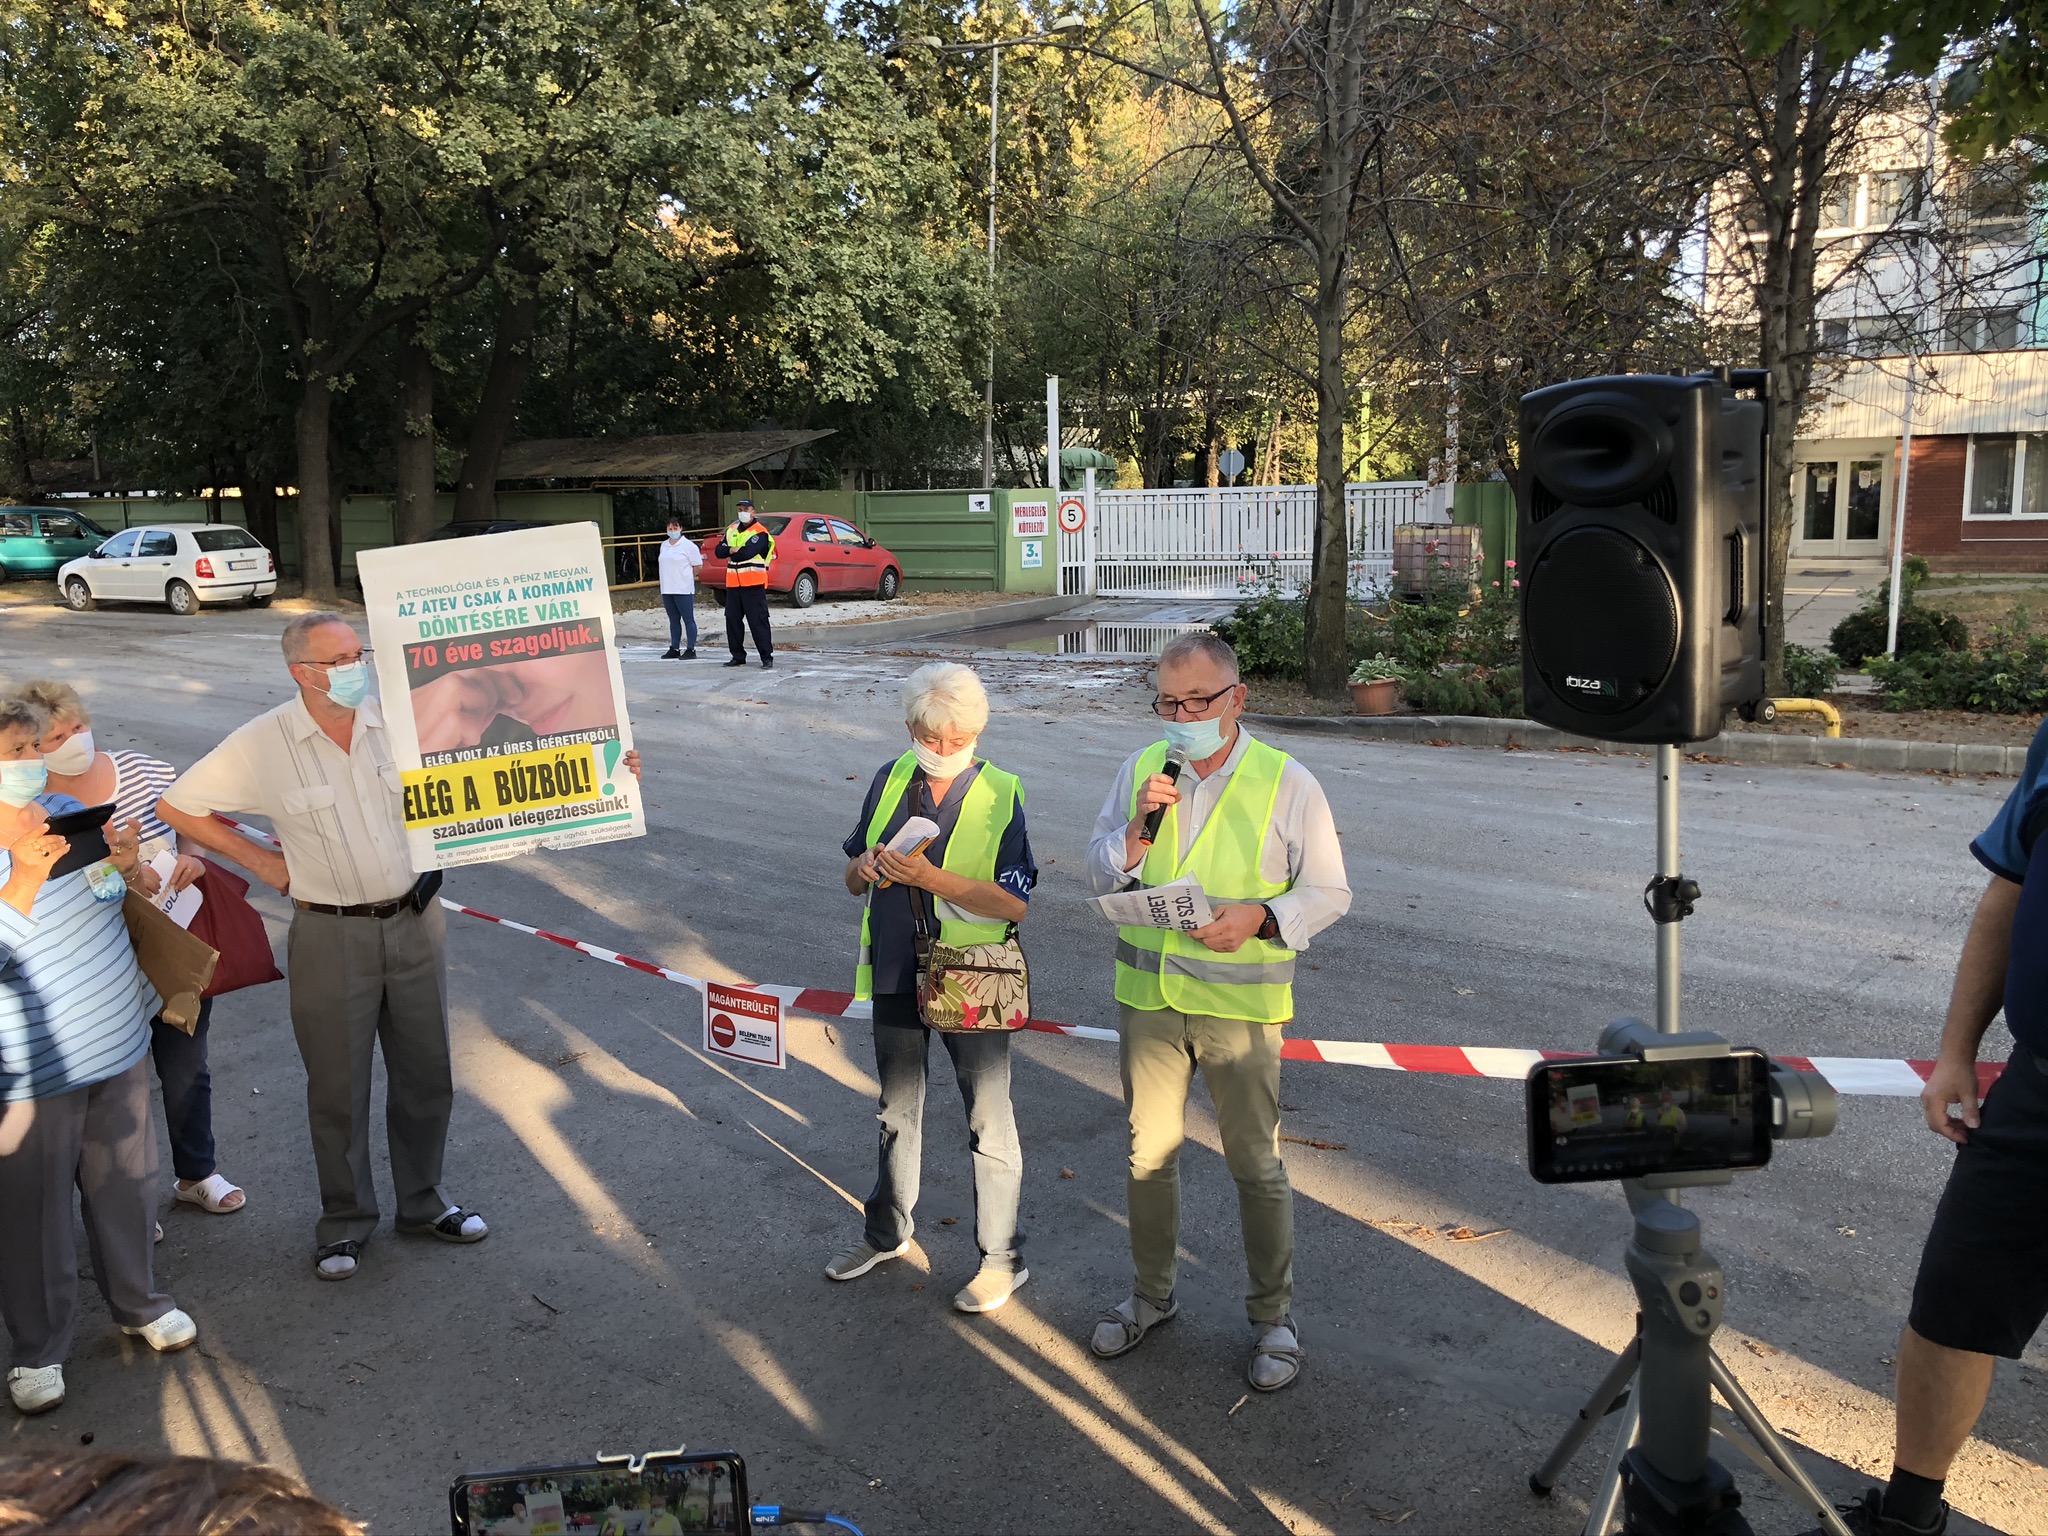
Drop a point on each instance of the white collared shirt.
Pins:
(1301, 848)
(340, 815)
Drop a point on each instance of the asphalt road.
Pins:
(659, 1222)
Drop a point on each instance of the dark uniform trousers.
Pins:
(751, 605)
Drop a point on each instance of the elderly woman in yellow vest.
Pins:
(1251, 827)
(972, 882)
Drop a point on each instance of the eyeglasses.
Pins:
(344, 661)
(1187, 709)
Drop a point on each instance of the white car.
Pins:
(182, 564)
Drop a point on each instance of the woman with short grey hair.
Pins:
(975, 876)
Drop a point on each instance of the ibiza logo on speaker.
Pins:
(1598, 687)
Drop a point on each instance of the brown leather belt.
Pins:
(414, 900)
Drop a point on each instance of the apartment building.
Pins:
(1931, 277)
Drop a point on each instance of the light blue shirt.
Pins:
(74, 1005)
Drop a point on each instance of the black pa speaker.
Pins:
(1641, 545)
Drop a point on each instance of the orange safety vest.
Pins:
(747, 573)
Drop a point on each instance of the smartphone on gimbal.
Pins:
(1625, 1118)
(662, 1494)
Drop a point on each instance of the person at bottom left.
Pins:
(74, 1087)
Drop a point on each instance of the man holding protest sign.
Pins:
(1252, 828)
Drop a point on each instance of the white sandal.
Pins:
(213, 1193)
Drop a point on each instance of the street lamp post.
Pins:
(1052, 34)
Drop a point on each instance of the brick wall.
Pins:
(1934, 518)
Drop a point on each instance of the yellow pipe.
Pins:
(1820, 707)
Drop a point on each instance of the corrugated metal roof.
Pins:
(1958, 392)
(678, 456)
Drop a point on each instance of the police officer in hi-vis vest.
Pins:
(747, 549)
(1251, 827)
(974, 880)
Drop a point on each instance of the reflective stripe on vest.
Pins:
(986, 809)
(1156, 968)
(751, 572)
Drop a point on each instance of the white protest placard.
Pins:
(498, 677)
(1029, 520)
(1180, 905)
(743, 1024)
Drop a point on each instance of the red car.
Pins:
(816, 555)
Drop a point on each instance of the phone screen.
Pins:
(1624, 1119)
(669, 1496)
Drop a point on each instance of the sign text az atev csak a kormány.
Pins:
(497, 662)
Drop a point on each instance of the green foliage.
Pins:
(1266, 631)
(1861, 635)
(1378, 669)
(2007, 675)
(1809, 673)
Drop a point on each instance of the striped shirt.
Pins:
(74, 1006)
(139, 782)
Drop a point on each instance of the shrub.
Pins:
(1458, 688)
(1266, 631)
(1378, 669)
(2008, 675)
(1862, 634)
(1808, 673)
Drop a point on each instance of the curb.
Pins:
(1868, 752)
(994, 616)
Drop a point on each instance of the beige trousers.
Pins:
(1240, 1062)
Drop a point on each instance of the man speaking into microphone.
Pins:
(1251, 826)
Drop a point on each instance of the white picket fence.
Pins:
(1220, 542)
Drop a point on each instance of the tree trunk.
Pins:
(476, 488)
(1327, 658)
(412, 513)
(1212, 449)
(259, 502)
(316, 491)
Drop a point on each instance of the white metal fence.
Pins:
(1219, 542)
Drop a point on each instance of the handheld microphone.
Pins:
(1149, 833)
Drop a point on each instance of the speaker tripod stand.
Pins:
(1661, 1476)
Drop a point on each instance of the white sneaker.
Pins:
(174, 1330)
(36, 1388)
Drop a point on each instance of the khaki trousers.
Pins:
(1240, 1062)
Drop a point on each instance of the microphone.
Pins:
(1172, 767)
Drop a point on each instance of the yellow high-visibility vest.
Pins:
(750, 572)
(986, 810)
(1161, 968)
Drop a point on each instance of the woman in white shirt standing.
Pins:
(133, 782)
(679, 561)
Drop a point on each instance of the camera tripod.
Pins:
(1661, 1475)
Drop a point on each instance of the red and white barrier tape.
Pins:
(1869, 1075)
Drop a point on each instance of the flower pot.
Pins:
(1376, 698)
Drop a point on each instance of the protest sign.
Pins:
(498, 675)
(743, 1024)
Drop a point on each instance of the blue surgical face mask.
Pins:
(22, 780)
(1194, 740)
(348, 686)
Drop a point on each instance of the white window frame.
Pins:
(2019, 480)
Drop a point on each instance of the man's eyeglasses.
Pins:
(1187, 709)
(341, 661)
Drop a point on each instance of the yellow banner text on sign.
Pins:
(489, 786)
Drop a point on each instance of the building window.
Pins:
(2008, 476)
(1864, 336)
(1897, 197)
(1838, 202)
(1995, 199)
(1984, 330)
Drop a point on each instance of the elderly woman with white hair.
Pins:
(978, 871)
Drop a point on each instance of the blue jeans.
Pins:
(981, 1062)
(682, 614)
(188, 1092)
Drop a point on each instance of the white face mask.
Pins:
(73, 757)
(941, 765)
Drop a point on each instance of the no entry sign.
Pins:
(743, 1024)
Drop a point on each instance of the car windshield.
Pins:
(91, 527)
(775, 525)
(212, 541)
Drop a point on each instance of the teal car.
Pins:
(34, 541)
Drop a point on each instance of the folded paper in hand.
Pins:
(913, 835)
(1180, 905)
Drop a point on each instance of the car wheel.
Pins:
(891, 584)
(183, 600)
(78, 596)
(259, 599)
(804, 590)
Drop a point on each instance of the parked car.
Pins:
(35, 541)
(816, 556)
(466, 530)
(182, 564)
